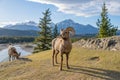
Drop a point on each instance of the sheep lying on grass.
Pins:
(13, 54)
(62, 44)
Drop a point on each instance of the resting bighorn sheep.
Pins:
(62, 44)
(13, 53)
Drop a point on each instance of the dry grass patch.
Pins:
(39, 66)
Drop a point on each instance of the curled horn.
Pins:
(71, 29)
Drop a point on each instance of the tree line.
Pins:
(16, 39)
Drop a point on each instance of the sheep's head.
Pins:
(18, 55)
(66, 32)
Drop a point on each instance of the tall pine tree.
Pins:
(55, 31)
(105, 27)
(43, 41)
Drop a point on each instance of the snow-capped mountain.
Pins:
(79, 28)
(31, 25)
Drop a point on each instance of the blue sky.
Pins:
(81, 11)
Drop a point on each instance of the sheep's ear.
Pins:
(71, 29)
(61, 30)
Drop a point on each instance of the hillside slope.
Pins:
(85, 64)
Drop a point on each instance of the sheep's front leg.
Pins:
(56, 57)
(61, 61)
(9, 58)
(13, 58)
(53, 57)
(67, 57)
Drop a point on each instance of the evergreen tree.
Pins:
(105, 27)
(43, 41)
(55, 32)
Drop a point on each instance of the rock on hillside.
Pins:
(110, 43)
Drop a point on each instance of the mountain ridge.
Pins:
(33, 26)
(79, 28)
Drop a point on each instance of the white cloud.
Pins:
(84, 8)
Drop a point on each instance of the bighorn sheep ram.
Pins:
(13, 53)
(62, 44)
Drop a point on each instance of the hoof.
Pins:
(68, 67)
(60, 69)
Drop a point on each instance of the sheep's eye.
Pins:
(65, 32)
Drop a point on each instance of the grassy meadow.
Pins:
(85, 64)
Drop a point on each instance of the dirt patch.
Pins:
(25, 59)
(95, 58)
